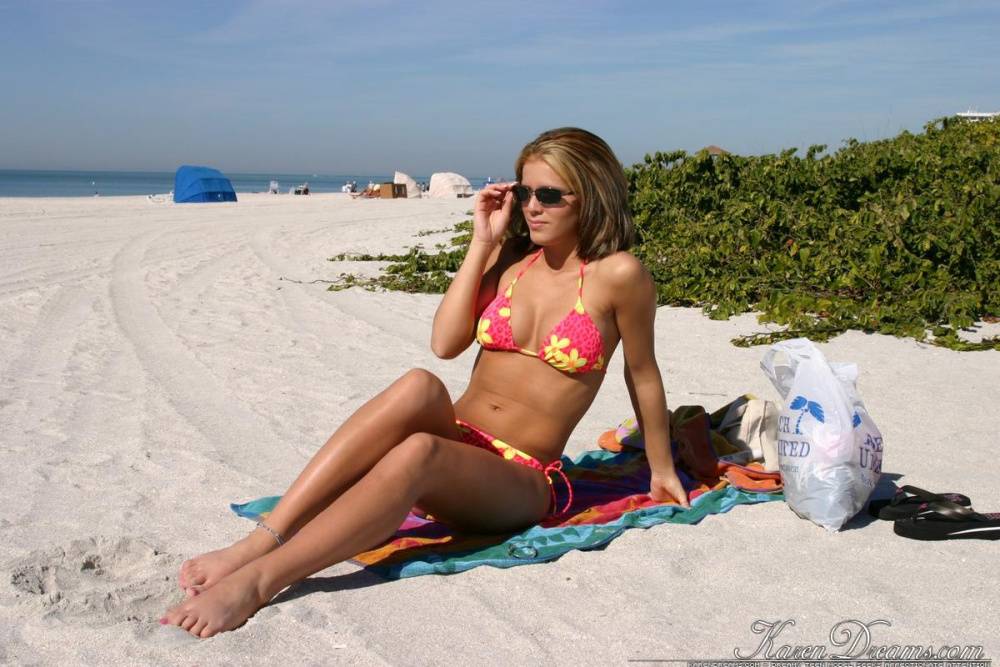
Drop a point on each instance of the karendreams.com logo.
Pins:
(850, 643)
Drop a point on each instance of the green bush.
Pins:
(416, 271)
(900, 236)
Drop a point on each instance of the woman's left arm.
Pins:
(635, 311)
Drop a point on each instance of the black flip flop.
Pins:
(906, 503)
(945, 520)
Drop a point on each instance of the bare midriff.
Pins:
(525, 402)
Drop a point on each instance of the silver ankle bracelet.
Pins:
(275, 534)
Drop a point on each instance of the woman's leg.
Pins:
(464, 485)
(418, 402)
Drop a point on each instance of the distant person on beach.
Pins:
(371, 190)
(548, 290)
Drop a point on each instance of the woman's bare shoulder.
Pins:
(621, 270)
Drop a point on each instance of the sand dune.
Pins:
(161, 361)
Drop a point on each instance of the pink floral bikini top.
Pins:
(574, 344)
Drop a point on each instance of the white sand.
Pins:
(155, 367)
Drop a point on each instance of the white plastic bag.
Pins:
(829, 449)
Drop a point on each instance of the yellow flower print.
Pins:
(600, 362)
(579, 306)
(564, 362)
(504, 312)
(556, 344)
(574, 361)
(504, 449)
(481, 333)
(554, 355)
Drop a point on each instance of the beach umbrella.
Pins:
(450, 185)
(412, 189)
(201, 184)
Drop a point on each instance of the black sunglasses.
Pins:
(545, 196)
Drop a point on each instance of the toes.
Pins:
(192, 591)
(198, 628)
(191, 574)
(182, 575)
(176, 614)
(207, 631)
(189, 622)
(195, 577)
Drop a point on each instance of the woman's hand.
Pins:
(492, 213)
(667, 487)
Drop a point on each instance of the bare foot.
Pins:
(200, 573)
(225, 606)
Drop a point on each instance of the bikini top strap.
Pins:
(579, 282)
(528, 265)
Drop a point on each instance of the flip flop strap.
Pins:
(946, 509)
(914, 492)
(907, 493)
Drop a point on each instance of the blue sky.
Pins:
(369, 87)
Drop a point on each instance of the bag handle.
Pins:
(797, 350)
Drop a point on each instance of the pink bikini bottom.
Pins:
(472, 435)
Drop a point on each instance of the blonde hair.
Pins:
(594, 175)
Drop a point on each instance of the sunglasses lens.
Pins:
(545, 196)
(548, 196)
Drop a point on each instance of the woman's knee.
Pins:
(412, 458)
(422, 384)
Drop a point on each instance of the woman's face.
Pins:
(553, 223)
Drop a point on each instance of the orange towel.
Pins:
(696, 451)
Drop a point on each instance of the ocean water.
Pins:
(29, 183)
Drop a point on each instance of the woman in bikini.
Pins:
(548, 291)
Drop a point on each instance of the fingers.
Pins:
(502, 196)
(496, 195)
(498, 187)
(680, 499)
(678, 494)
(508, 201)
(493, 211)
(665, 493)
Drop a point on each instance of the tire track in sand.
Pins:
(364, 323)
(36, 377)
(192, 390)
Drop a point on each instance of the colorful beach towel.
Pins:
(610, 496)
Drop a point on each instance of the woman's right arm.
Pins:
(470, 291)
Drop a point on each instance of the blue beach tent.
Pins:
(200, 184)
